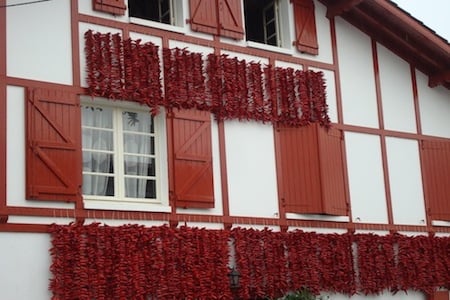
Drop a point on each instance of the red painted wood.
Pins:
(311, 166)
(332, 171)
(219, 17)
(53, 154)
(115, 7)
(436, 177)
(230, 18)
(193, 174)
(439, 295)
(203, 16)
(305, 27)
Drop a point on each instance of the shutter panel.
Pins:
(193, 174)
(305, 26)
(53, 169)
(436, 177)
(332, 171)
(115, 7)
(299, 166)
(230, 15)
(311, 170)
(203, 16)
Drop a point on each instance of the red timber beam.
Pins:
(340, 7)
(439, 78)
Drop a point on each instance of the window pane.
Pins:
(139, 165)
(140, 188)
(98, 162)
(94, 139)
(96, 116)
(98, 185)
(137, 121)
(138, 143)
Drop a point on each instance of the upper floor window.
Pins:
(153, 10)
(262, 21)
(120, 158)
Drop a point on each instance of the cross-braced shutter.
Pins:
(310, 170)
(193, 174)
(305, 27)
(115, 7)
(436, 177)
(53, 151)
(221, 17)
(203, 16)
(230, 18)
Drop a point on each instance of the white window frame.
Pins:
(176, 18)
(161, 203)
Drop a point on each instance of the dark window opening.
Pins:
(153, 10)
(261, 24)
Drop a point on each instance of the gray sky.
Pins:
(433, 13)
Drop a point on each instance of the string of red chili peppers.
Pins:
(228, 87)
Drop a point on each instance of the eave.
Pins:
(401, 33)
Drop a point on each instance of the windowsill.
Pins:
(440, 223)
(269, 48)
(315, 217)
(158, 25)
(126, 206)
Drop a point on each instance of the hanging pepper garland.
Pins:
(123, 69)
(228, 87)
(134, 262)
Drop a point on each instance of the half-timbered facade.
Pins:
(148, 148)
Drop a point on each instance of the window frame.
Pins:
(283, 19)
(176, 18)
(119, 201)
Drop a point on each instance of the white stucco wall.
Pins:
(396, 92)
(41, 47)
(356, 76)
(434, 108)
(405, 180)
(365, 176)
(24, 266)
(252, 182)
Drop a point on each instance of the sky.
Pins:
(433, 13)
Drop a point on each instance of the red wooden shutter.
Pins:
(224, 20)
(53, 168)
(311, 170)
(436, 177)
(115, 7)
(230, 15)
(203, 16)
(305, 26)
(439, 295)
(193, 174)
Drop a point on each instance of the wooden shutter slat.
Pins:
(53, 169)
(305, 26)
(436, 177)
(203, 16)
(193, 173)
(230, 17)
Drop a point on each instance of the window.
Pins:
(120, 153)
(114, 155)
(153, 10)
(262, 21)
